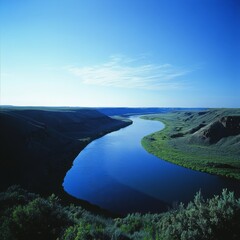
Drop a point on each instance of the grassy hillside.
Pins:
(27, 216)
(208, 141)
(38, 146)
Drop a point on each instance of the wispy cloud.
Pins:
(123, 72)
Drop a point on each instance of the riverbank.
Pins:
(38, 146)
(207, 141)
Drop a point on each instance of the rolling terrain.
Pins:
(39, 145)
(206, 140)
(129, 111)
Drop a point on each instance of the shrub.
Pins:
(28, 216)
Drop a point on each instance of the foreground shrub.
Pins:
(26, 216)
(38, 219)
(215, 218)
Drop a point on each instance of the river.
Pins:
(116, 173)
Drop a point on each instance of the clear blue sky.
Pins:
(163, 53)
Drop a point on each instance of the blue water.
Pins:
(116, 173)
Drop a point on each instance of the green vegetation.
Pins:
(25, 215)
(207, 141)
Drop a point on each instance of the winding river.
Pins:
(116, 173)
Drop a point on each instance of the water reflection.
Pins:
(116, 173)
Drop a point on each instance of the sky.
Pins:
(120, 53)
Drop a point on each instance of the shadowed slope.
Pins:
(38, 146)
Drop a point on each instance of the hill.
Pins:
(39, 145)
(206, 140)
(124, 111)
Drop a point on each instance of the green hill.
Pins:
(208, 141)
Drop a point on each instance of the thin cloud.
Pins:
(128, 73)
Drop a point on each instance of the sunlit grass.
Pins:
(221, 159)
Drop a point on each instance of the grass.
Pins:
(181, 142)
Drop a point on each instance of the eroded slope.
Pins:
(206, 140)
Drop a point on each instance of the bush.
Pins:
(28, 216)
(38, 219)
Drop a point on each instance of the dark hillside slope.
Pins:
(82, 123)
(39, 146)
(206, 140)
